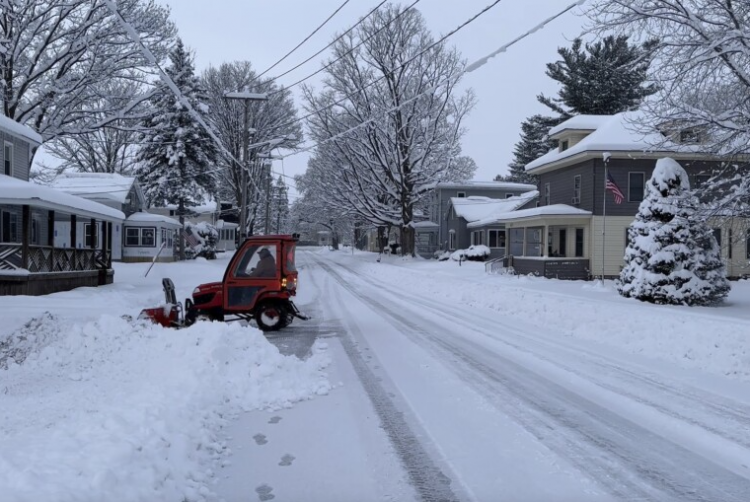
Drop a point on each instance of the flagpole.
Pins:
(605, 156)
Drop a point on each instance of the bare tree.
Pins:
(55, 55)
(108, 149)
(274, 118)
(388, 121)
(702, 67)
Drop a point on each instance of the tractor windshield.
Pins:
(290, 248)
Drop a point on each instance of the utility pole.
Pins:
(246, 97)
(267, 171)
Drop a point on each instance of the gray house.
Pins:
(475, 220)
(580, 230)
(33, 216)
(439, 205)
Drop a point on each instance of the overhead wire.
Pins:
(469, 68)
(303, 41)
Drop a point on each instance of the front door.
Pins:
(253, 271)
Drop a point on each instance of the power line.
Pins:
(333, 43)
(402, 65)
(470, 68)
(303, 41)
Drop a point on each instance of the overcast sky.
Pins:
(262, 32)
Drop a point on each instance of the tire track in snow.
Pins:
(429, 481)
(735, 418)
(625, 458)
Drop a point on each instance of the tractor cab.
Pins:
(258, 284)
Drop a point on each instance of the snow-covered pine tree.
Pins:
(672, 256)
(178, 153)
(603, 78)
(534, 143)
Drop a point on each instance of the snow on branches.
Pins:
(672, 256)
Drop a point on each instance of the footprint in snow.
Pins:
(286, 460)
(264, 493)
(260, 439)
(274, 420)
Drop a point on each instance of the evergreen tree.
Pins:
(178, 153)
(603, 78)
(534, 143)
(672, 256)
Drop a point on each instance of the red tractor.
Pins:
(258, 285)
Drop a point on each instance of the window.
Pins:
(701, 179)
(172, 212)
(562, 246)
(452, 240)
(717, 236)
(564, 145)
(87, 233)
(689, 136)
(461, 194)
(730, 244)
(477, 238)
(546, 194)
(577, 189)
(747, 245)
(636, 185)
(516, 241)
(9, 227)
(258, 261)
(140, 237)
(170, 238)
(579, 243)
(8, 159)
(496, 238)
(533, 242)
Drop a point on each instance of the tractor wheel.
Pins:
(270, 316)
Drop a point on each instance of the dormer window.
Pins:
(690, 136)
(564, 145)
(461, 194)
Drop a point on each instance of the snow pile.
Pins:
(110, 409)
(474, 253)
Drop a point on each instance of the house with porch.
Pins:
(143, 235)
(474, 220)
(33, 261)
(579, 230)
(444, 191)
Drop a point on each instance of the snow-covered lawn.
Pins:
(713, 339)
(95, 408)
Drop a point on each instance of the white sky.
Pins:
(506, 88)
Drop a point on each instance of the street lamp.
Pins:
(246, 97)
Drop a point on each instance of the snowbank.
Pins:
(476, 253)
(108, 410)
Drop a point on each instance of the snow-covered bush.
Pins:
(206, 236)
(474, 253)
(672, 256)
(441, 255)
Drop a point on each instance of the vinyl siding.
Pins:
(610, 247)
(562, 186)
(20, 155)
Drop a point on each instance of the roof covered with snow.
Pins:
(17, 129)
(475, 208)
(489, 185)
(552, 210)
(152, 218)
(207, 207)
(624, 132)
(95, 185)
(14, 191)
(581, 123)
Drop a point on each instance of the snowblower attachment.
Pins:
(168, 315)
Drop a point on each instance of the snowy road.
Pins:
(477, 406)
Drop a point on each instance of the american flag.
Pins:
(612, 187)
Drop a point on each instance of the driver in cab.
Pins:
(266, 265)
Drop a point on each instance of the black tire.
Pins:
(270, 316)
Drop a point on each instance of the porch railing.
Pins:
(51, 259)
